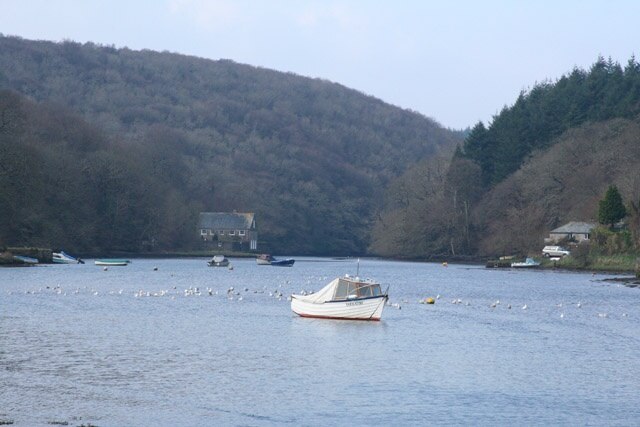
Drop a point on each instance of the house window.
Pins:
(211, 232)
(240, 232)
(232, 232)
(222, 232)
(203, 232)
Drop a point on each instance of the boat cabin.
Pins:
(351, 289)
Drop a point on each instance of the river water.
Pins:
(136, 346)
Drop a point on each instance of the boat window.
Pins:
(345, 290)
(349, 290)
(364, 291)
(369, 290)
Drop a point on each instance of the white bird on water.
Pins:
(524, 307)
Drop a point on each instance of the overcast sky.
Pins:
(455, 61)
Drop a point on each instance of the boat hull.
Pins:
(112, 263)
(64, 261)
(283, 263)
(355, 309)
(26, 259)
(218, 264)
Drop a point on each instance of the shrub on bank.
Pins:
(611, 242)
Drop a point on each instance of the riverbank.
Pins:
(44, 255)
(622, 263)
(8, 256)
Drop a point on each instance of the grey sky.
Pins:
(455, 61)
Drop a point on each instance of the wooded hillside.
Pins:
(542, 162)
(143, 141)
(543, 113)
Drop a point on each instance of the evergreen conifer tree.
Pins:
(611, 209)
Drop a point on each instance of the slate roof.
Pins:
(574, 227)
(226, 220)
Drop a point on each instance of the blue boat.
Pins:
(282, 262)
(26, 259)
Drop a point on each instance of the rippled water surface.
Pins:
(132, 346)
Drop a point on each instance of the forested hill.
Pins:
(310, 157)
(544, 161)
(539, 115)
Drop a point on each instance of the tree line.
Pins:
(549, 109)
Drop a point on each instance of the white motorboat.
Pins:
(343, 298)
(218, 261)
(64, 258)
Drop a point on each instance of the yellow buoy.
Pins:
(429, 301)
(445, 264)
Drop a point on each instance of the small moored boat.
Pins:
(25, 259)
(282, 262)
(528, 263)
(112, 262)
(264, 259)
(64, 258)
(343, 298)
(218, 261)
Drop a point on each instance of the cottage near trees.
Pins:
(228, 231)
